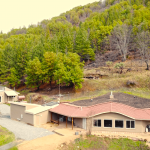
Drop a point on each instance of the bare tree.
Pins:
(142, 43)
(120, 39)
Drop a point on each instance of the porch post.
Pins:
(66, 121)
(58, 119)
(72, 123)
(51, 116)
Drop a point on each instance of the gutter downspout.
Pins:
(110, 106)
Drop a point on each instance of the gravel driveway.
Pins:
(21, 130)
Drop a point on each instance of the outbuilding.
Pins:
(32, 114)
(8, 95)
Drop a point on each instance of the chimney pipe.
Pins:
(91, 98)
(111, 96)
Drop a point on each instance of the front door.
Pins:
(148, 127)
(84, 123)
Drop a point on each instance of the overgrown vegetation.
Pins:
(93, 142)
(6, 136)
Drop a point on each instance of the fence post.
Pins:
(30, 99)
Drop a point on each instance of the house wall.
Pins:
(5, 98)
(17, 110)
(42, 118)
(7, 89)
(78, 122)
(54, 116)
(10, 98)
(28, 106)
(2, 94)
(28, 118)
(139, 124)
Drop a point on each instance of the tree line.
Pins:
(63, 68)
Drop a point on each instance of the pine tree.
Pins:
(13, 78)
(49, 66)
(82, 45)
(34, 73)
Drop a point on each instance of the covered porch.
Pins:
(11, 96)
(63, 120)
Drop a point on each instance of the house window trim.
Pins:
(108, 119)
(97, 124)
(119, 127)
(130, 124)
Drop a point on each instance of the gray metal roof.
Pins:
(50, 104)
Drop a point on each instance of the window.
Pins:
(118, 123)
(130, 124)
(127, 124)
(97, 123)
(107, 123)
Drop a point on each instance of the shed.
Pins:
(32, 114)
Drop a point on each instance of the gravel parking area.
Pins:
(21, 130)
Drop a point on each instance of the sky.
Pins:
(20, 13)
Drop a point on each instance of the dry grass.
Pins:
(118, 82)
(84, 96)
(115, 81)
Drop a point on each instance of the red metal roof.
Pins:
(85, 112)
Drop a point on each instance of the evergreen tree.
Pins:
(82, 45)
(69, 70)
(34, 73)
(49, 66)
(13, 78)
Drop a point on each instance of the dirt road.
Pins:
(50, 142)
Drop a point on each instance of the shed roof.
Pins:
(11, 93)
(24, 104)
(85, 112)
(50, 103)
(39, 109)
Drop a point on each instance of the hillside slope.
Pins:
(86, 30)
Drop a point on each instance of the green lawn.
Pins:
(98, 143)
(144, 93)
(13, 148)
(7, 104)
(6, 136)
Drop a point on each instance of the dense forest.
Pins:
(56, 49)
